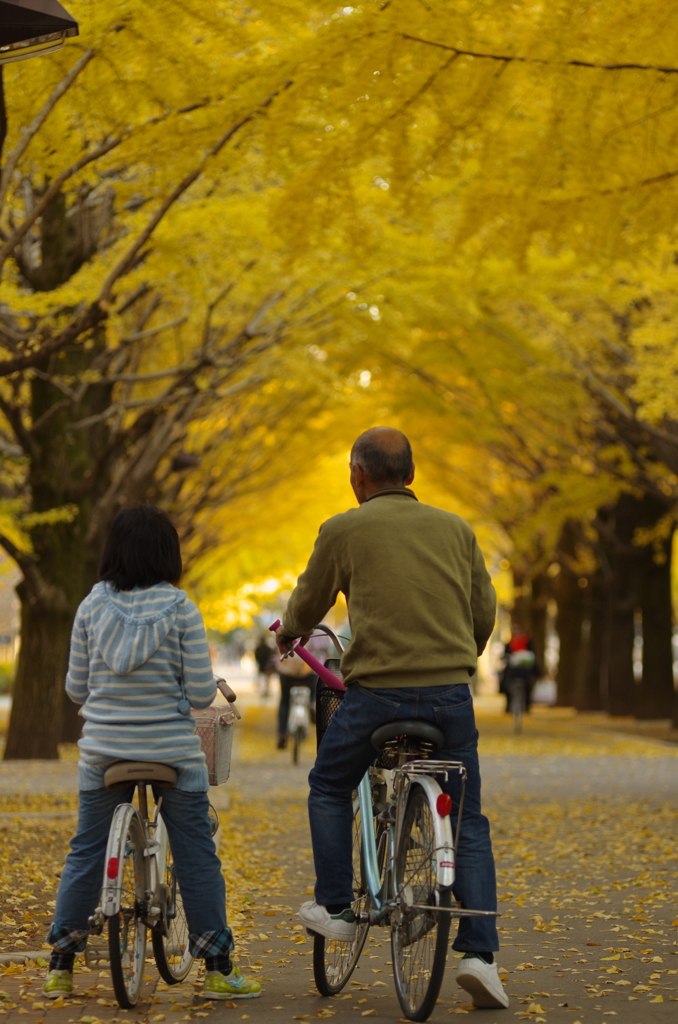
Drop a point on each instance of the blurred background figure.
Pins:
(265, 659)
(292, 672)
(520, 662)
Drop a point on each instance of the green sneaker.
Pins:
(230, 986)
(58, 983)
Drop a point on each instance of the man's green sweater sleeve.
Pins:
(483, 600)
(316, 590)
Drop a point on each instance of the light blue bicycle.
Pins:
(404, 855)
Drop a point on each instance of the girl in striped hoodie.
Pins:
(139, 661)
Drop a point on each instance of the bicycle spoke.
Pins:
(418, 937)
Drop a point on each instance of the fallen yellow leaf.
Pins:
(657, 999)
(369, 1013)
(617, 956)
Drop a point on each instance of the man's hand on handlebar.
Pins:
(286, 643)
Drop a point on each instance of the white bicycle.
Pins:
(299, 718)
(140, 890)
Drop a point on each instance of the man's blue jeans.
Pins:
(197, 865)
(345, 755)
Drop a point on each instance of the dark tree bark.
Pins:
(61, 468)
(569, 623)
(539, 599)
(656, 692)
(572, 612)
(636, 581)
(617, 526)
(588, 692)
(3, 115)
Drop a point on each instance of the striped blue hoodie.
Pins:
(130, 649)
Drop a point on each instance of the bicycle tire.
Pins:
(517, 693)
(334, 962)
(296, 745)
(418, 938)
(171, 953)
(127, 928)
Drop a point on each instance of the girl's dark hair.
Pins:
(142, 549)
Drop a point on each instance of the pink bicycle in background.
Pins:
(404, 853)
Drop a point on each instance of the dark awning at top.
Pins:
(22, 21)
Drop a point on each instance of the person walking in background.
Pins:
(264, 656)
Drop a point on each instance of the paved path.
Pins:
(588, 872)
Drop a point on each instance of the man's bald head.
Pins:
(384, 455)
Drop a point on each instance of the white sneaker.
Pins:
(482, 983)
(340, 927)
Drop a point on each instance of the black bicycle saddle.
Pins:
(414, 728)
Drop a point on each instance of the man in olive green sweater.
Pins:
(422, 608)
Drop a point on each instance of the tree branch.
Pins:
(127, 261)
(90, 317)
(54, 188)
(514, 58)
(28, 133)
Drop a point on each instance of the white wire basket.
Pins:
(214, 726)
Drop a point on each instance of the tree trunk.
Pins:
(656, 693)
(3, 115)
(64, 566)
(569, 622)
(588, 693)
(35, 720)
(541, 592)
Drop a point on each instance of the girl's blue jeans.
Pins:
(198, 869)
(344, 756)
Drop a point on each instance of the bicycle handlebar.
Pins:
(329, 678)
(228, 693)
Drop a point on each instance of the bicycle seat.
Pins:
(413, 728)
(122, 773)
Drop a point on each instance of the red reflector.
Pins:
(444, 804)
(113, 867)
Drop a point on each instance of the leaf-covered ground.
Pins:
(585, 830)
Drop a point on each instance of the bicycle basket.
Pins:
(214, 727)
(327, 701)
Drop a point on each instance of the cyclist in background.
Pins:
(521, 663)
(422, 608)
(291, 672)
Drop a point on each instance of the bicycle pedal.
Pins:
(312, 934)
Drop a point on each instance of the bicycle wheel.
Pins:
(171, 950)
(334, 962)
(418, 937)
(127, 929)
(297, 740)
(517, 705)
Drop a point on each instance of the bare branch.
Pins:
(152, 331)
(54, 188)
(49, 413)
(90, 317)
(28, 133)
(514, 58)
(48, 378)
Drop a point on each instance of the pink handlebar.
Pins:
(323, 673)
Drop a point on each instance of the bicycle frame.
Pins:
(381, 894)
(299, 714)
(155, 857)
